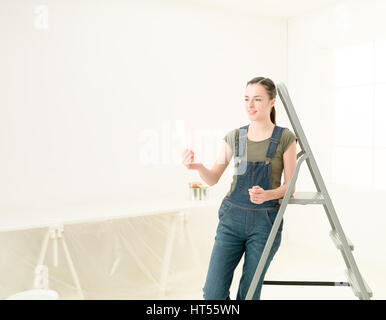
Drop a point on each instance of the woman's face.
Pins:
(257, 103)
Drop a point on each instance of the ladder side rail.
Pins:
(319, 189)
(311, 163)
(331, 213)
(288, 106)
(283, 93)
(274, 229)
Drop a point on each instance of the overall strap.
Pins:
(241, 140)
(273, 143)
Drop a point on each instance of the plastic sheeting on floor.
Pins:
(134, 257)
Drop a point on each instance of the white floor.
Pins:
(293, 261)
(320, 266)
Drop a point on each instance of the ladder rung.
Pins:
(338, 243)
(305, 198)
(307, 283)
(354, 284)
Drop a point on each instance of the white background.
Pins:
(90, 91)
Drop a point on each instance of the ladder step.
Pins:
(307, 283)
(354, 284)
(338, 243)
(305, 198)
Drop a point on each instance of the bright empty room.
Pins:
(114, 116)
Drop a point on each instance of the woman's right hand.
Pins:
(188, 159)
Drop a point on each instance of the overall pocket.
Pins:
(242, 177)
(223, 210)
(270, 215)
(242, 184)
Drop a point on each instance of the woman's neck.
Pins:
(259, 130)
(259, 127)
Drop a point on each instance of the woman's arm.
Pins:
(212, 176)
(258, 195)
(289, 161)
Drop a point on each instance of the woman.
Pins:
(246, 215)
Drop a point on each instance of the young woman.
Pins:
(246, 215)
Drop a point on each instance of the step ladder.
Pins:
(355, 280)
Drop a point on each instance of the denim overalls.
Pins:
(243, 226)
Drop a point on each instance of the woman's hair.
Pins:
(269, 85)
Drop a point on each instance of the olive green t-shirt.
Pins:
(257, 150)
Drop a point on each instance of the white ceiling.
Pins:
(270, 8)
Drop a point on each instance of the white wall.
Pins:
(83, 83)
(82, 90)
(80, 87)
(311, 40)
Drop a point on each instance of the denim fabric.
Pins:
(239, 230)
(243, 227)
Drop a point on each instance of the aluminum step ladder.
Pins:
(355, 280)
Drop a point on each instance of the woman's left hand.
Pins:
(258, 195)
